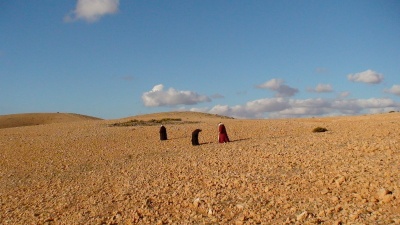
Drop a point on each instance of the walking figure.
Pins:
(163, 133)
(195, 137)
(223, 135)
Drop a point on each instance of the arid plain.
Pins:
(73, 169)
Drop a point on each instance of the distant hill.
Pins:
(184, 115)
(31, 119)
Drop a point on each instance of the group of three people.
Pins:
(222, 134)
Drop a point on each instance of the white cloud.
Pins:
(283, 107)
(252, 109)
(272, 84)
(368, 76)
(354, 106)
(203, 109)
(344, 94)
(395, 89)
(321, 88)
(171, 97)
(302, 107)
(92, 10)
(281, 89)
(158, 87)
(266, 105)
(221, 110)
(310, 103)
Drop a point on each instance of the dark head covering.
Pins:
(195, 137)
(163, 133)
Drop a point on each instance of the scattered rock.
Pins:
(302, 216)
(272, 171)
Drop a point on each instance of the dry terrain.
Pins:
(86, 171)
(32, 119)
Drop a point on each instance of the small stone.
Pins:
(340, 180)
(338, 222)
(196, 202)
(338, 208)
(383, 192)
(353, 216)
(302, 216)
(357, 196)
(335, 199)
(240, 206)
(387, 198)
(325, 191)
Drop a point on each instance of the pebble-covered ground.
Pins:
(272, 172)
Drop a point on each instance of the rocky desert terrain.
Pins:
(84, 170)
(32, 119)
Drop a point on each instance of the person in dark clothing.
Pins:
(195, 137)
(163, 133)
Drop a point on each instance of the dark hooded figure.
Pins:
(223, 135)
(195, 137)
(163, 133)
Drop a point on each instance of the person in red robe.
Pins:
(223, 135)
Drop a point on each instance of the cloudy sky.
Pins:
(246, 59)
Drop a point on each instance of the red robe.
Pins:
(223, 136)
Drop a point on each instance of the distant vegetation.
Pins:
(224, 117)
(319, 129)
(151, 122)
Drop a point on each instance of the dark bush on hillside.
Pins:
(319, 129)
(151, 122)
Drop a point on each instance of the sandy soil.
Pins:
(272, 172)
(32, 119)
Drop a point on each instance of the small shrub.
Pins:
(319, 129)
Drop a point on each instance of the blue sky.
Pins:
(247, 59)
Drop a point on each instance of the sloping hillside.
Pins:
(184, 115)
(273, 171)
(31, 119)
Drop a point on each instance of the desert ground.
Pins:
(71, 169)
